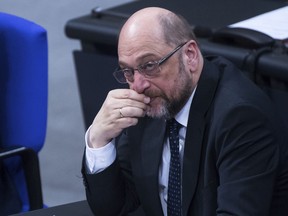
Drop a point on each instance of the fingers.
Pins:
(120, 110)
(128, 111)
(128, 103)
(128, 97)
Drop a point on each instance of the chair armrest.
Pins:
(32, 173)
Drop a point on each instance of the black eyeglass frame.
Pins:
(122, 78)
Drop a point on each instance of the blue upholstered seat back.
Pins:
(23, 89)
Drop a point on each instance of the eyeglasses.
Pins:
(148, 69)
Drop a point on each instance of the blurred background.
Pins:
(60, 158)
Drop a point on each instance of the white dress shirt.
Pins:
(99, 159)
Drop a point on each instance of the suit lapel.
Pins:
(152, 146)
(151, 154)
(195, 132)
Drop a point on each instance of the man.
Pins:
(229, 141)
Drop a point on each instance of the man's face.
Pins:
(170, 88)
(167, 101)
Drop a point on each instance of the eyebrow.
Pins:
(147, 55)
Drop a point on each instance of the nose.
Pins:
(140, 83)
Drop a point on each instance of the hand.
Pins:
(120, 110)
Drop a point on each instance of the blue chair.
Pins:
(23, 105)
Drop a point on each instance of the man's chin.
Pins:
(153, 114)
(156, 109)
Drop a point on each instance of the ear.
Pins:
(192, 54)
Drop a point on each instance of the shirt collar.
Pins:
(182, 116)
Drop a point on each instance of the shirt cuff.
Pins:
(98, 159)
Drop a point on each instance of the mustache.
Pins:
(152, 93)
(155, 93)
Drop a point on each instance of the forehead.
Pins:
(137, 51)
(139, 38)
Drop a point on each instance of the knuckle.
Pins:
(132, 121)
(127, 93)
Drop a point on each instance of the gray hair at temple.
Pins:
(176, 29)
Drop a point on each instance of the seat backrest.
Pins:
(23, 90)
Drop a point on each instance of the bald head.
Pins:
(143, 24)
(156, 24)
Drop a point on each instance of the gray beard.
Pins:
(170, 108)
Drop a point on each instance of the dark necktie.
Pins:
(174, 182)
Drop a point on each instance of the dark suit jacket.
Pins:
(231, 158)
